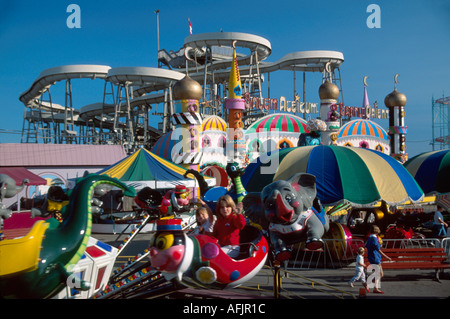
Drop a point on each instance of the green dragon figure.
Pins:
(235, 172)
(39, 264)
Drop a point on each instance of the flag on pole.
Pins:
(190, 26)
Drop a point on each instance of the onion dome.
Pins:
(214, 123)
(187, 89)
(328, 91)
(280, 122)
(362, 127)
(395, 98)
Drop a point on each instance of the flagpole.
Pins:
(157, 36)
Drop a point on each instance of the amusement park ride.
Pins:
(226, 122)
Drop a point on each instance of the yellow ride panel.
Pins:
(22, 254)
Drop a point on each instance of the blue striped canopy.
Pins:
(431, 171)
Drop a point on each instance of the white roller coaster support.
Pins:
(50, 76)
(145, 80)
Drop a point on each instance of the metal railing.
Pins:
(446, 245)
(281, 283)
(289, 285)
(412, 243)
(340, 253)
(336, 253)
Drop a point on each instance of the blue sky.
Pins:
(413, 41)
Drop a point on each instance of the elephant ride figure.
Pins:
(8, 189)
(290, 212)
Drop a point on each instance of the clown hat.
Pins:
(180, 189)
(172, 224)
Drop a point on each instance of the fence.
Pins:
(446, 246)
(339, 253)
(281, 283)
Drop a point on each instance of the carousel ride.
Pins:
(40, 264)
(291, 175)
(285, 213)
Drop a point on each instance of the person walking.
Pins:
(360, 269)
(374, 254)
(439, 224)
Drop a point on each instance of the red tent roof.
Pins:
(20, 173)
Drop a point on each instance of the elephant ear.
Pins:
(254, 209)
(305, 185)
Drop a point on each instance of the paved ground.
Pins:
(397, 284)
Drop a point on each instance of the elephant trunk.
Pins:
(200, 179)
(21, 186)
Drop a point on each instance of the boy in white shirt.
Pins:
(359, 269)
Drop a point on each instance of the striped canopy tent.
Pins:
(360, 176)
(279, 122)
(431, 170)
(363, 127)
(144, 168)
(364, 133)
(274, 131)
(165, 146)
(214, 123)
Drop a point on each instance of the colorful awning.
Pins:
(214, 123)
(144, 168)
(360, 176)
(363, 127)
(165, 146)
(281, 122)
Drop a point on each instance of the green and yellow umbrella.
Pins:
(343, 174)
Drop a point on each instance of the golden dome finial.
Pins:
(187, 89)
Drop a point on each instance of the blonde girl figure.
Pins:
(229, 223)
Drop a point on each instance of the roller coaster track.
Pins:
(148, 80)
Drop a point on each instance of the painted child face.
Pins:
(202, 217)
(224, 209)
(167, 251)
